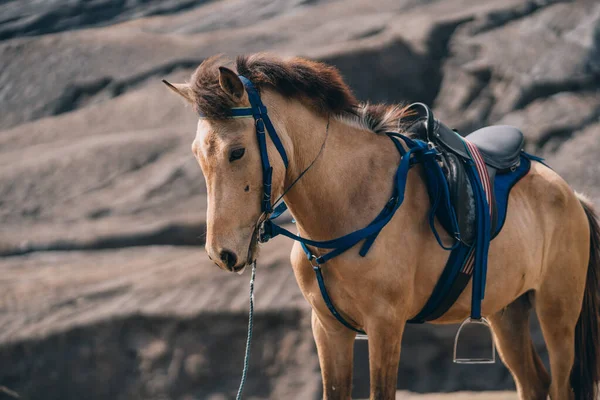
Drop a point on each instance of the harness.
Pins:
(466, 258)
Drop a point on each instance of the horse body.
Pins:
(539, 259)
(539, 252)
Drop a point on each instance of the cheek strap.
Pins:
(258, 111)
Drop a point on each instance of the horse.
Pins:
(339, 174)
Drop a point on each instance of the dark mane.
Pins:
(318, 85)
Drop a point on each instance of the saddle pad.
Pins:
(503, 184)
(459, 268)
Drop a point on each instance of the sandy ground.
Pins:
(458, 396)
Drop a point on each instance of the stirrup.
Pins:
(361, 336)
(468, 360)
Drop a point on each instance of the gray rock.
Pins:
(107, 292)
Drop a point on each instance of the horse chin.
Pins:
(241, 270)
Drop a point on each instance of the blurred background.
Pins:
(105, 289)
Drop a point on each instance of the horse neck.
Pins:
(349, 183)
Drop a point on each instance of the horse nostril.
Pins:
(229, 258)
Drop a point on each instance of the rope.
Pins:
(310, 165)
(249, 340)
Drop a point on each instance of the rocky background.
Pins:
(105, 290)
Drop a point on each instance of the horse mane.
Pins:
(379, 118)
(318, 85)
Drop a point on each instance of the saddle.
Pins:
(500, 146)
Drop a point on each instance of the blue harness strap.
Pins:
(459, 267)
(463, 262)
(418, 152)
(325, 294)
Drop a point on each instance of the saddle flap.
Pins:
(461, 199)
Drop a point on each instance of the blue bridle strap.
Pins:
(258, 111)
(418, 152)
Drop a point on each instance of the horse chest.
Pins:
(359, 288)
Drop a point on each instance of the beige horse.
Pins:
(546, 257)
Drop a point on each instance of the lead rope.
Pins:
(249, 340)
(259, 222)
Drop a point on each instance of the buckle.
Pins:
(265, 233)
(260, 125)
(458, 238)
(313, 261)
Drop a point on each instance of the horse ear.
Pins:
(182, 89)
(231, 83)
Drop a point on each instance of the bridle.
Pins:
(418, 151)
(258, 111)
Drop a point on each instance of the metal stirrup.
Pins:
(467, 360)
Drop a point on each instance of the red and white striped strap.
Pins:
(483, 173)
(487, 188)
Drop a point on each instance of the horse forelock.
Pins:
(316, 84)
(209, 98)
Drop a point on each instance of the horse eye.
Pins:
(237, 154)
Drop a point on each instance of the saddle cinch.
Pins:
(501, 147)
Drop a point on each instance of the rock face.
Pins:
(105, 291)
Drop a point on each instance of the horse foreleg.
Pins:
(511, 331)
(335, 347)
(384, 356)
